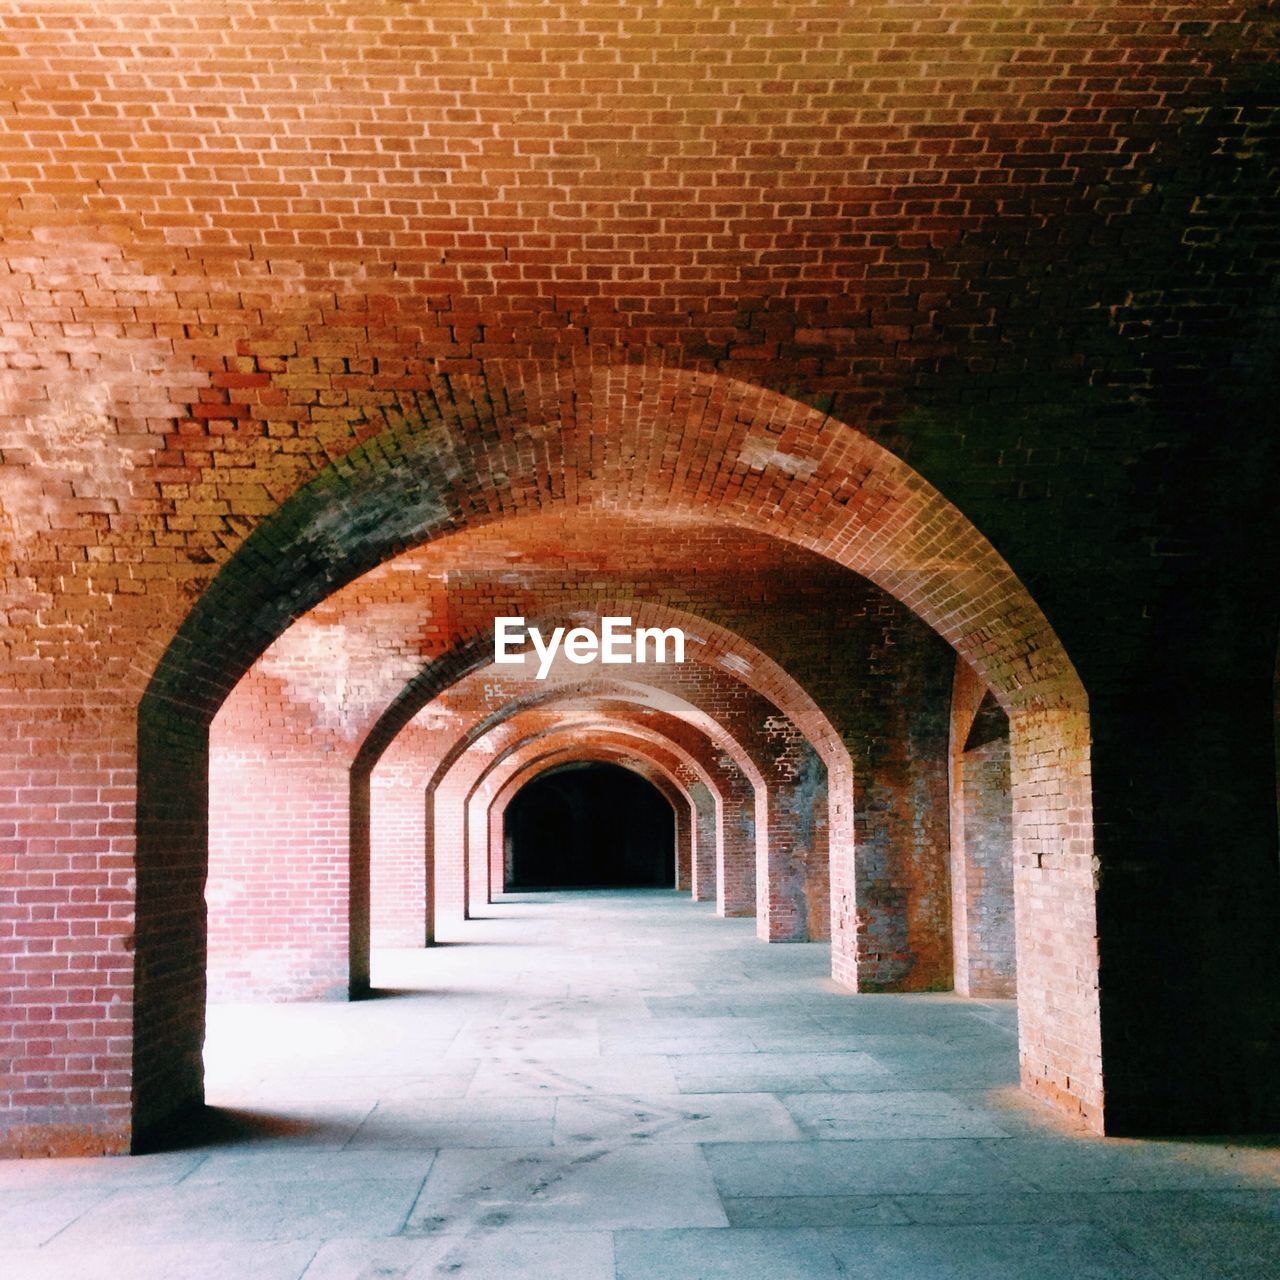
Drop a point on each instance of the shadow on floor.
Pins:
(205, 1126)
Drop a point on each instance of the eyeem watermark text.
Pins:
(618, 642)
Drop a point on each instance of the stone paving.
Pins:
(583, 1086)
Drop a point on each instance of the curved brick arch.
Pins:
(699, 447)
(799, 818)
(423, 773)
(722, 841)
(555, 711)
(682, 724)
(294, 724)
(306, 955)
(397, 921)
(588, 728)
(515, 440)
(709, 643)
(799, 913)
(488, 799)
(599, 745)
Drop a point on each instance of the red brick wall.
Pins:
(981, 842)
(398, 912)
(709, 264)
(279, 882)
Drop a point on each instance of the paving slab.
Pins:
(528, 1255)
(106, 1260)
(1241, 1206)
(519, 1043)
(579, 1187)
(778, 1072)
(995, 1209)
(726, 1255)
(271, 1121)
(1086, 1164)
(813, 1211)
(112, 1172)
(33, 1217)
(899, 1114)
(248, 1210)
(354, 1167)
(1081, 1252)
(639, 1073)
(938, 1067)
(857, 1168)
(408, 1127)
(1196, 1249)
(683, 1117)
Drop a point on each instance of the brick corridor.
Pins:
(582, 1086)
(915, 357)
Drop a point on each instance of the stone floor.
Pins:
(620, 1085)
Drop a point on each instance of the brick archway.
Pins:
(701, 448)
(397, 836)
(692, 771)
(728, 657)
(697, 734)
(491, 795)
(622, 710)
(697, 786)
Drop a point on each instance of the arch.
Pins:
(647, 742)
(792, 879)
(599, 748)
(790, 903)
(473, 449)
(587, 847)
(981, 844)
(333, 666)
(600, 693)
(478, 448)
(713, 645)
(657, 752)
(398, 782)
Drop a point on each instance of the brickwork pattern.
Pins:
(981, 842)
(271, 312)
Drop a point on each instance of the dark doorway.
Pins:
(589, 825)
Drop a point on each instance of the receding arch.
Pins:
(490, 797)
(726, 654)
(698, 447)
(500, 443)
(686, 743)
(403, 790)
(599, 694)
(648, 747)
(563, 831)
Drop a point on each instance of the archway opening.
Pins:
(589, 824)
(818, 485)
(984, 936)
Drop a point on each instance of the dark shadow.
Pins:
(205, 1126)
(589, 825)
